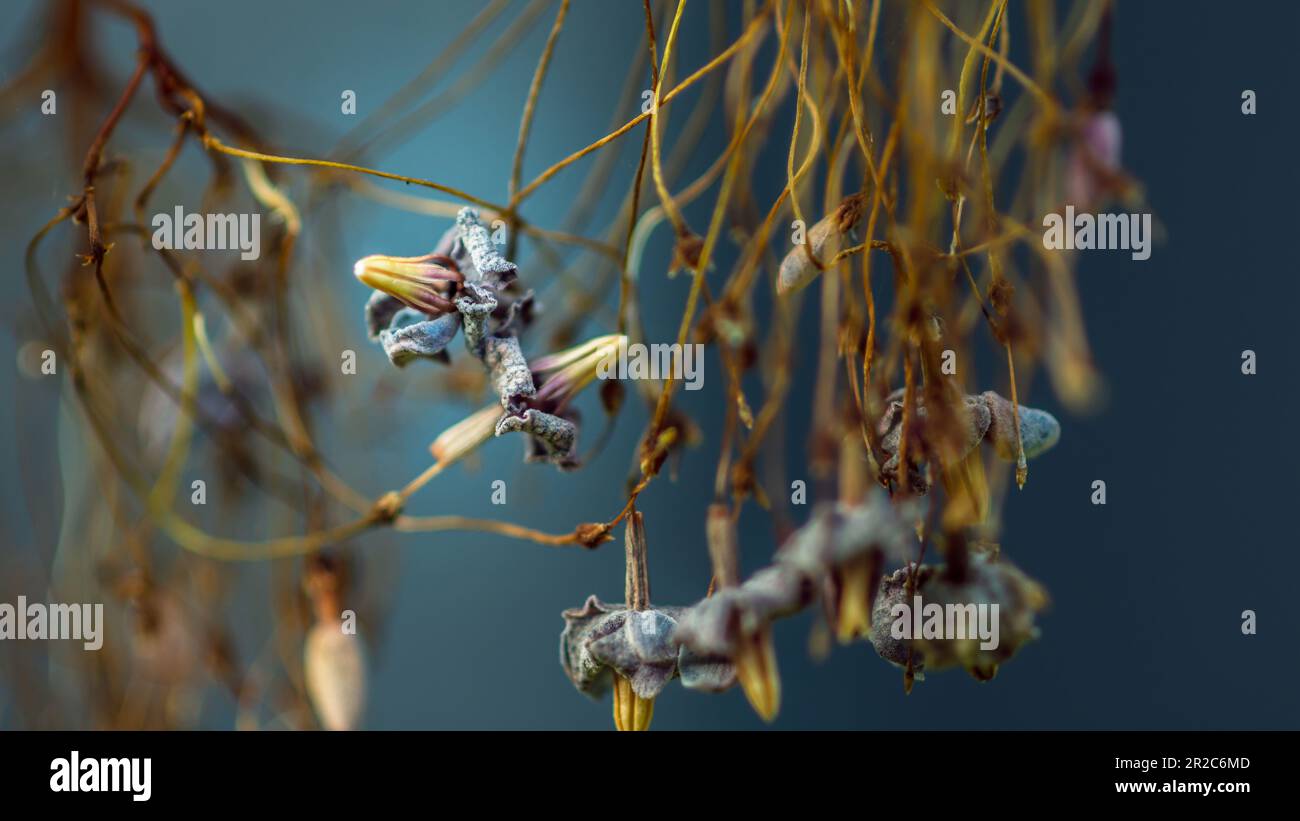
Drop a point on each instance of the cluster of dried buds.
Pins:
(421, 303)
(839, 558)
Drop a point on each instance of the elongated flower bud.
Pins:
(569, 371)
(335, 669)
(755, 662)
(631, 712)
(825, 239)
(464, 437)
(418, 282)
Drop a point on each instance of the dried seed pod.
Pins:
(755, 660)
(752, 652)
(987, 417)
(601, 640)
(335, 670)
(1039, 430)
(988, 582)
(631, 712)
(630, 648)
(562, 375)
(825, 239)
(476, 304)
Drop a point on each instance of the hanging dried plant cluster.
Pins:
(421, 302)
(850, 295)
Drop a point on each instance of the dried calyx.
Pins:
(985, 417)
(987, 582)
(630, 648)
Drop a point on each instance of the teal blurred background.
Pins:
(1147, 591)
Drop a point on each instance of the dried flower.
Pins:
(986, 417)
(987, 581)
(562, 375)
(602, 640)
(630, 648)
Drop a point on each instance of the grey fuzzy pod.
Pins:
(715, 626)
(412, 335)
(1039, 430)
(988, 581)
(988, 418)
(602, 639)
(838, 534)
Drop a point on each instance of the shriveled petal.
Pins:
(380, 309)
(476, 304)
(583, 625)
(412, 336)
(557, 437)
(493, 268)
(511, 378)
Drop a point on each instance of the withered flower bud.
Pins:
(422, 283)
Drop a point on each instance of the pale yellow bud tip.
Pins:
(631, 712)
(855, 611)
(756, 669)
